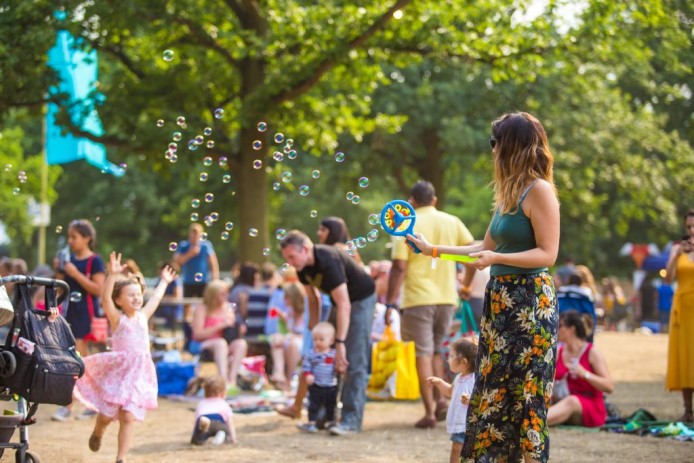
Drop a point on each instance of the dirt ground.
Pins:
(637, 363)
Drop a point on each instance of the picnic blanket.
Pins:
(644, 423)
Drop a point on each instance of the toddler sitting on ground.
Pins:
(213, 415)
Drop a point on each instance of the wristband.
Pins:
(434, 251)
(391, 306)
(339, 341)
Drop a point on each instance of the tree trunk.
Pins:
(252, 197)
(432, 170)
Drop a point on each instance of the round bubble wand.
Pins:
(398, 218)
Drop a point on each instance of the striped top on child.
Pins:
(322, 366)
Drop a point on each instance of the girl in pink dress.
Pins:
(122, 384)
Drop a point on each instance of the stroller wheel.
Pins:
(8, 363)
(29, 457)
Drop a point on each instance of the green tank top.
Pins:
(513, 233)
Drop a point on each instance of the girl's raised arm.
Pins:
(114, 269)
(167, 276)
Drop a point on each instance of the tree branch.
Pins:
(204, 39)
(323, 67)
(122, 57)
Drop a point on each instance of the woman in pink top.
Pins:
(586, 374)
(210, 320)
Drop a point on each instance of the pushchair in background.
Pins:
(38, 360)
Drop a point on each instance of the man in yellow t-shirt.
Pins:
(429, 295)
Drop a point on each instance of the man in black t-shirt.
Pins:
(352, 291)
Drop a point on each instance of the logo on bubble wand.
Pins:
(398, 218)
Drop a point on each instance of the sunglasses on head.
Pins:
(492, 142)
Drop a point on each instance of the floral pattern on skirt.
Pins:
(515, 371)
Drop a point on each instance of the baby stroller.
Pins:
(38, 360)
(573, 299)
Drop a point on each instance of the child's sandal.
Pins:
(94, 443)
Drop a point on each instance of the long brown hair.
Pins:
(522, 155)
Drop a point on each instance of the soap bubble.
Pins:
(173, 246)
(257, 164)
(262, 126)
(224, 235)
(226, 178)
(284, 267)
(207, 131)
(349, 195)
(372, 235)
(279, 137)
(209, 197)
(355, 199)
(59, 229)
(203, 237)
(223, 161)
(339, 156)
(276, 186)
(286, 177)
(8, 167)
(363, 182)
(203, 176)
(313, 213)
(214, 216)
(180, 120)
(257, 145)
(315, 174)
(278, 156)
(374, 219)
(290, 142)
(286, 149)
(360, 241)
(210, 144)
(75, 296)
(304, 190)
(168, 55)
(291, 154)
(280, 233)
(173, 158)
(173, 147)
(177, 136)
(194, 217)
(229, 226)
(22, 176)
(198, 277)
(266, 251)
(16, 191)
(160, 122)
(199, 139)
(195, 203)
(218, 113)
(192, 145)
(253, 232)
(207, 161)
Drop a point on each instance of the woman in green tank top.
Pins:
(507, 415)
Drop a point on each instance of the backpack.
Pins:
(47, 363)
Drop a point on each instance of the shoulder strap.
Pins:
(525, 193)
(90, 298)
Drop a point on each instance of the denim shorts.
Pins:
(458, 437)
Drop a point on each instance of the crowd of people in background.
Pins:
(316, 319)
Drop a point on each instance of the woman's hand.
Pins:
(54, 314)
(421, 242)
(70, 269)
(484, 259)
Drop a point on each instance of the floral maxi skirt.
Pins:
(515, 371)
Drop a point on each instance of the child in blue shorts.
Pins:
(461, 361)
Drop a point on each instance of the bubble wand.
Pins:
(397, 219)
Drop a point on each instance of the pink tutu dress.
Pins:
(124, 378)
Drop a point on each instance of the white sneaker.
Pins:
(219, 438)
(62, 414)
(340, 430)
(86, 415)
(204, 424)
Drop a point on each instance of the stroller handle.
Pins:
(32, 280)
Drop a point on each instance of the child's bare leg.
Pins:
(567, 410)
(456, 449)
(125, 432)
(102, 422)
(237, 351)
(278, 359)
(293, 355)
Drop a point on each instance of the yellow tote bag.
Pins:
(393, 370)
